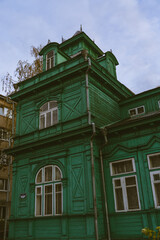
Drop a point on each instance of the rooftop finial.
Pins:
(49, 41)
(81, 27)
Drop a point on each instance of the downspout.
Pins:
(104, 186)
(91, 146)
(87, 91)
(93, 182)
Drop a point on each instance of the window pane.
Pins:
(157, 193)
(48, 174)
(48, 189)
(156, 177)
(44, 107)
(52, 62)
(48, 64)
(140, 110)
(38, 191)
(50, 54)
(122, 167)
(130, 181)
(39, 177)
(132, 198)
(2, 212)
(154, 161)
(58, 193)
(38, 205)
(1, 184)
(117, 182)
(53, 104)
(48, 199)
(55, 116)
(119, 199)
(48, 119)
(38, 201)
(5, 111)
(57, 174)
(1, 111)
(132, 112)
(42, 121)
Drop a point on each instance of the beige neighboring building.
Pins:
(7, 125)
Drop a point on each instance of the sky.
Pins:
(131, 28)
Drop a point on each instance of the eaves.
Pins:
(145, 120)
(45, 79)
(118, 88)
(54, 139)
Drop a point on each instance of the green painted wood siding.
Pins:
(104, 109)
(77, 220)
(136, 144)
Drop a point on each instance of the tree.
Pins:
(24, 70)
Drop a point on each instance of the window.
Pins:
(3, 184)
(50, 60)
(48, 114)
(159, 103)
(5, 112)
(2, 212)
(4, 135)
(154, 166)
(125, 187)
(48, 192)
(136, 111)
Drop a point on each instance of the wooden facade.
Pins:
(86, 150)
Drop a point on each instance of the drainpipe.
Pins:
(93, 182)
(104, 186)
(87, 91)
(91, 145)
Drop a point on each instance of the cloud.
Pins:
(130, 28)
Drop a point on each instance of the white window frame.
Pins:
(136, 110)
(159, 103)
(36, 201)
(153, 171)
(124, 194)
(153, 187)
(149, 163)
(46, 185)
(124, 160)
(44, 113)
(122, 176)
(2, 211)
(55, 199)
(4, 185)
(50, 59)
(42, 185)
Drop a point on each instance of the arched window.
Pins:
(48, 191)
(48, 114)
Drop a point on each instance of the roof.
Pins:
(134, 119)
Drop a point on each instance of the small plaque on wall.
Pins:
(23, 195)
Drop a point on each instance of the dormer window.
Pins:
(50, 60)
(136, 111)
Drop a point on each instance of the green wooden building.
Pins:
(86, 151)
